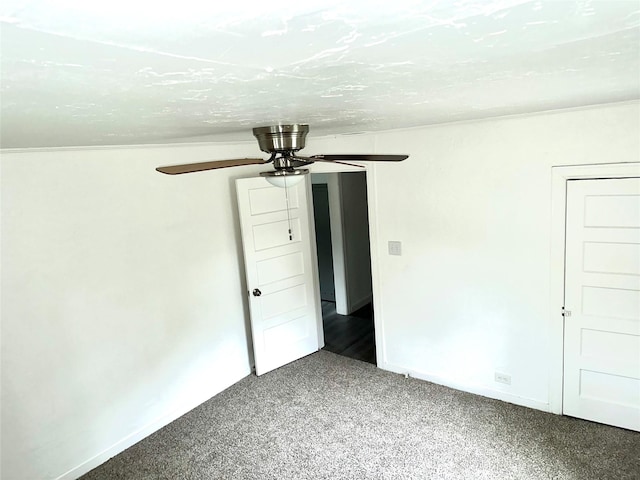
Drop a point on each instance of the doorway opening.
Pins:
(344, 263)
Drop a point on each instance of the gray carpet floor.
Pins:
(332, 417)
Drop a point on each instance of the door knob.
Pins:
(256, 292)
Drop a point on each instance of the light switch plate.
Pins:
(395, 248)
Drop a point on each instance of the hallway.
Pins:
(349, 335)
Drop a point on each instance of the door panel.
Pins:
(602, 293)
(275, 234)
(266, 200)
(621, 258)
(616, 210)
(279, 268)
(280, 264)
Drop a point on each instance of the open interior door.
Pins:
(278, 239)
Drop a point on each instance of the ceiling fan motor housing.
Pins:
(281, 138)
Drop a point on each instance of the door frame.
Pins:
(559, 176)
(370, 172)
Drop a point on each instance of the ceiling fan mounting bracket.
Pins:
(286, 161)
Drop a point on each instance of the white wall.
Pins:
(122, 291)
(470, 293)
(122, 300)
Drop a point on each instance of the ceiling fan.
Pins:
(282, 142)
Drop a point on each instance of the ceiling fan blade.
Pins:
(199, 167)
(310, 160)
(320, 158)
(360, 158)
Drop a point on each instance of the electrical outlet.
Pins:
(395, 248)
(502, 378)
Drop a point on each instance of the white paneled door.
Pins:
(602, 301)
(281, 271)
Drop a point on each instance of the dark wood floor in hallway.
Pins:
(349, 335)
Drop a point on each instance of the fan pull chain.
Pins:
(286, 195)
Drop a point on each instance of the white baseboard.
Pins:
(142, 433)
(475, 389)
(353, 306)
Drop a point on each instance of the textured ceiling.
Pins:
(124, 72)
